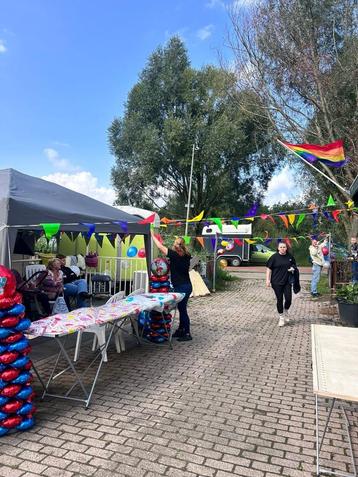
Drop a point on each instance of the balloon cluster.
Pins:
(16, 394)
(228, 246)
(133, 251)
(157, 325)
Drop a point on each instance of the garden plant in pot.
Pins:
(347, 298)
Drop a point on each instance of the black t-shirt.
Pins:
(68, 275)
(179, 268)
(279, 264)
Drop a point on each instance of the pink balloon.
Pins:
(220, 251)
(141, 253)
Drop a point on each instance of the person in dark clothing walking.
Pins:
(179, 257)
(279, 275)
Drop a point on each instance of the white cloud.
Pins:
(3, 48)
(59, 162)
(85, 183)
(282, 188)
(215, 3)
(205, 32)
(229, 5)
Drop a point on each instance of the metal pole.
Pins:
(189, 192)
(214, 265)
(313, 167)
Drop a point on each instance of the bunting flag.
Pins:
(291, 218)
(300, 219)
(350, 204)
(201, 241)
(213, 243)
(284, 220)
(123, 225)
(86, 237)
(235, 221)
(148, 220)
(74, 235)
(198, 218)
(50, 229)
(315, 219)
(252, 211)
(327, 215)
(166, 221)
(335, 215)
(186, 239)
(330, 201)
(288, 242)
(330, 154)
(112, 239)
(91, 229)
(218, 222)
(267, 241)
(99, 239)
(238, 242)
(266, 216)
(295, 239)
(250, 241)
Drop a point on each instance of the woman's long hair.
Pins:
(179, 247)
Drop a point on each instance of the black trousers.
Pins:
(280, 292)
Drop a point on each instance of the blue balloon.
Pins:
(20, 362)
(22, 378)
(19, 345)
(3, 384)
(5, 332)
(3, 415)
(23, 324)
(132, 251)
(3, 400)
(155, 285)
(25, 409)
(26, 424)
(3, 348)
(16, 310)
(24, 393)
(3, 431)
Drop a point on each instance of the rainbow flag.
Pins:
(331, 154)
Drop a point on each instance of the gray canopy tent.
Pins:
(26, 202)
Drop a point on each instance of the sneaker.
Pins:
(185, 337)
(314, 295)
(281, 321)
(178, 333)
(286, 317)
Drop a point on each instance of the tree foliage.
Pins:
(174, 106)
(301, 56)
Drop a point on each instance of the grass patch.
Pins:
(323, 287)
(223, 278)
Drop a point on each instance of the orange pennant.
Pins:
(201, 241)
(284, 220)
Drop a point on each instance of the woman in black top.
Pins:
(280, 268)
(179, 257)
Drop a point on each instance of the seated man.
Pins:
(73, 286)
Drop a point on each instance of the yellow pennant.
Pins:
(350, 204)
(197, 218)
(249, 241)
(291, 218)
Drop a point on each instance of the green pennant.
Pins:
(218, 222)
(235, 223)
(330, 200)
(187, 239)
(50, 229)
(300, 219)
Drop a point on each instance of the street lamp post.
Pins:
(195, 148)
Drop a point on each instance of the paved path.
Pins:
(258, 273)
(237, 400)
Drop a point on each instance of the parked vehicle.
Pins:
(260, 254)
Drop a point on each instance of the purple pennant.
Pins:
(91, 228)
(328, 216)
(315, 217)
(268, 241)
(279, 240)
(253, 210)
(207, 224)
(213, 243)
(123, 225)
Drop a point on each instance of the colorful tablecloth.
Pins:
(77, 320)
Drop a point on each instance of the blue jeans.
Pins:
(316, 275)
(355, 272)
(184, 321)
(74, 289)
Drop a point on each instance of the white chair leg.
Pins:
(78, 345)
(101, 336)
(94, 342)
(117, 342)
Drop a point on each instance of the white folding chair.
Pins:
(31, 269)
(99, 333)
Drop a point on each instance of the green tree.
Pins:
(174, 106)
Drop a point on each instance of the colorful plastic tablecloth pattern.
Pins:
(77, 320)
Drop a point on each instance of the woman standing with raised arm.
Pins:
(179, 257)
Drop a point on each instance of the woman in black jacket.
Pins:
(280, 276)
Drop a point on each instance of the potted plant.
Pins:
(91, 259)
(347, 298)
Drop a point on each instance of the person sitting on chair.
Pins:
(53, 283)
(73, 286)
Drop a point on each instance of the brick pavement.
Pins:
(237, 400)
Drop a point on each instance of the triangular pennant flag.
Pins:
(300, 219)
(259, 239)
(238, 242)
(327, 215)
(267, 241)
(218, 222)
(198, 218)
(249, 241)
(266, 216)
(284, 220)
(123, 225)
(251, 219)
(99, 239)
(91, 229)
(335, 215)
(252, 211)
(291, 218)
(213, 243)
(279, 240)
(235, 222)
(186, 239)
(350, 204)
(330, 201)
(74, 235)
(86, 237)
(315, 218)
(148, 220)
(112, 239)
(288, 242)
(295, 239)
(201, 241)
(164, 220)
(50, 229)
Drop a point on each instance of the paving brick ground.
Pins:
(237, 400)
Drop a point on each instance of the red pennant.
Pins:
(335, 215)
(238, 242)
(148, 220)
(288, 242)
(266, 216)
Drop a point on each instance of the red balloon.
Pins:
(26, 351)
(325, 250)
(9, 322)
(10, 374)
(12, 406)
(163, 290)
(141, 253)
(11, 422)
(8, 357)
(10, 390)
(13, 338)
(28, 366)
(8, 293)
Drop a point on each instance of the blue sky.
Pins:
(66, 67)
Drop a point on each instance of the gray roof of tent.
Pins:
(27, 201)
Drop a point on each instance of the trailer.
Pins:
(228, 244)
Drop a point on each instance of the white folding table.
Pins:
(335, 377)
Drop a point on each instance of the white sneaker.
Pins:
(286, 317)
(281, 321)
